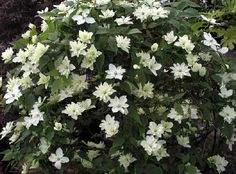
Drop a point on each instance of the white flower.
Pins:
(115, 72)
(65, 93)
(145, 91)
(58, 158)
(170, 37)
(73, 110)
(65, 67)
(223, 50)
(84, 18)
(230, 142)
(7, 129)
(63, 9)
(192, 59)
(180, 70)
(76, 109)
(85, 36)
(104, 91)
(38, 52)
(21, 56)
(44, 26)
(14, 137)
(119, 105)
(79, 83)
(202, 71)
(154, 47)
(7, 55)
(155, 130)
(26, 35)
(102, 2)
(57, 126)
(110, 126)
(77, 48)
(152, 144)
(154, 66)
(183, 141)
(90, 57)
(107, 14)
(35, 117)
(126, 160)
(167, 126)
(224, 93)
(43, 80)
(13, 94)
(219, 162)
(196, 67)
(210, 41)
(185, 43)
(124, 20)
(123, 43)
(210, 20)
(175, 115)
(161, 153)
(142, 12)
(44, 145)
(160, 12)
(228, 114)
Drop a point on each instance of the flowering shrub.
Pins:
(118, 86)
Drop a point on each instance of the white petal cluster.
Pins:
(219, 162)
(185, 43)
(13, 94)
(58, 158)
(76, 109)
(123, 43)
(211, 42)
(152, 144)
(110, 126)
(35, 116)
(150, 9)
(125, 160)
(7, 55)
(84, 18)
(104, 91)
(150, 63)
(65, 67)
(115, 72)
(119, 105)
(224, 92)
(124, 20)
(90, 57)
(44, 145)
(7, 129)
(183, 141)
(228, 113)
(180, 70)
(145, 91)
(107, 14)
(170, 37)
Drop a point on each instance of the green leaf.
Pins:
(197, 25)
(29, 101)
(100, 63)
(153, 169)
(112, 45)
(134, 31)
(118, 142)
(179, 108)
(191, 170)
(228, 130)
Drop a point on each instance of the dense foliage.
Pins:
(113, 86)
